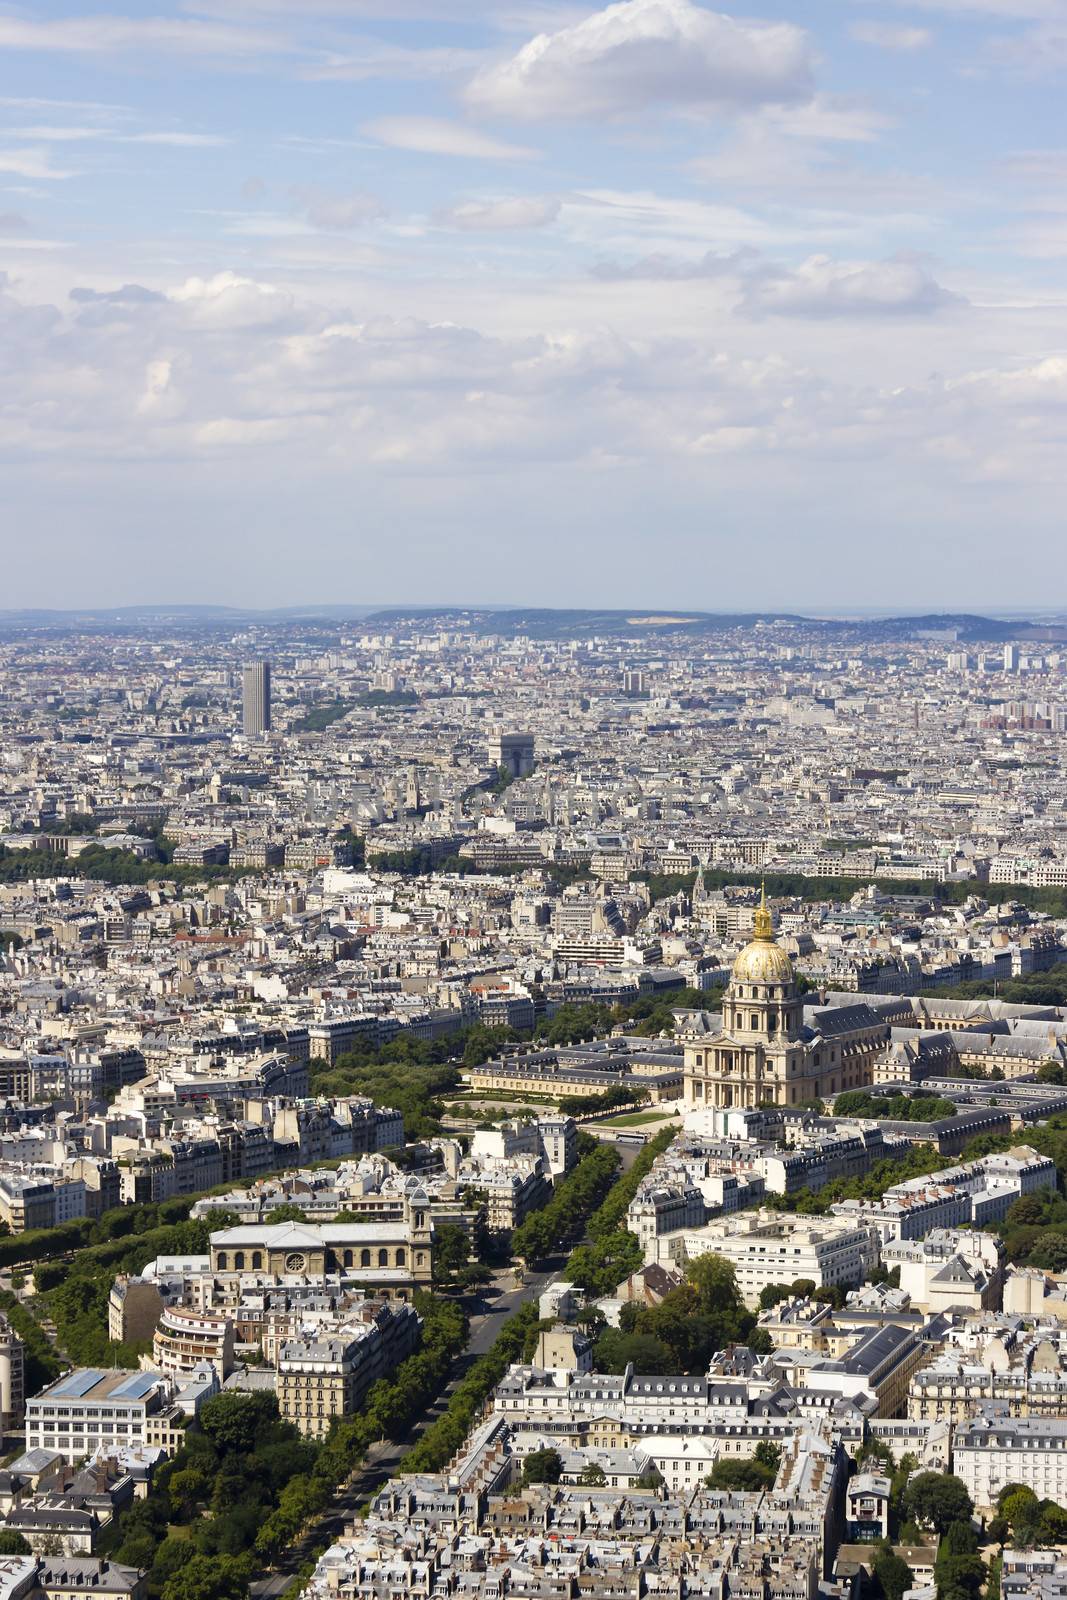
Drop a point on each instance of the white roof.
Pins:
(298, 1236)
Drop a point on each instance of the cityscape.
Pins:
(533, 800)
(555, 1103)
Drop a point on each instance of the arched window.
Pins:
(223, 1258)
(401, 1258)
(383, 1258)
(239, 1260)
(772, 1020)
(349, 1258)
(257, 1260)
(364, 1258)
(420, 1258)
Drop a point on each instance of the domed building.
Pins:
(766, 1054)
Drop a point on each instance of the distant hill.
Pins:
(545, 622)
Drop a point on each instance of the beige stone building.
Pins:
(326, 1373)
(765, 1054)
(388, 1259)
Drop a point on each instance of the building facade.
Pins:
(255, 700)
(765, 1054)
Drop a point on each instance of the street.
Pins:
(381, 1460)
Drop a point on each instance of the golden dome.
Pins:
(762, 960)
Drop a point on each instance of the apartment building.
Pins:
(185, 1341)
(994, 1449)
(766, 1247)
(93, 1408)
(325, 1374)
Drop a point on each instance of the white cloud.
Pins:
(30, 163)
(628, 222)
(340, 211)
(1009, 10)
(1039, 384)
(232, 302)
(821, 287)
(225, 365)
(180, 141)
(771, 157)
(103, 35)
(518, 211)
(509, 16)
(888, 37)
(440, 137)
(35, 103)
(1034, 52)
(827, 117)
(647, 53)
(71, 133)
(373, 58)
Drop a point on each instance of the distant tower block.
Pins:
(255, 705)
(512, 751)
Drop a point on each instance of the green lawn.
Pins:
(636, 1119)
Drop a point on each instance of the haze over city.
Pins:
(443, 300)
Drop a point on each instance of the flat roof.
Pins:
(95, 1384)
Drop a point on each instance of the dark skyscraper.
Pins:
(255, 705)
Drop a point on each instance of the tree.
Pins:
(892, 1574)
(747, 1476)
(13, 1544)
(772, 1293)
(1027, 1210)
(714, 1280)
(1013, 1497)
(235, 1421)
(1049, 1250)
(615, 1351)
(593, 1475)
(451, 1252)
(542, 1466)
(1052, 1524)
(651, 1478)
(600, 1266)
(190, 1485)
(288, 1213)
(1021, 1508)
(959, 1577)
(171, 1554)
(937, 1499)
(960, 1540)
(208, 1578)
(760, 1342)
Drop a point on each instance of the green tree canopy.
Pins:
(937, 1499)
(542, 1466)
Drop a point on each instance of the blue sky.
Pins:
(502, 300)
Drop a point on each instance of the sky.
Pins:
(526, 301)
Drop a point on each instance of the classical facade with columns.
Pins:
(765, 1053)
